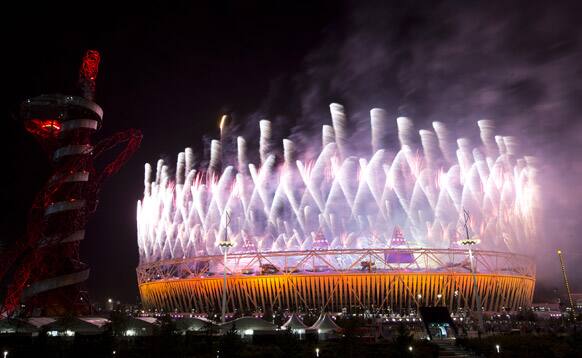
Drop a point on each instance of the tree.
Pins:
(167, 325)
(288, 343)
(403, 339)
(119, 322)
(350, 328)
(230, 343)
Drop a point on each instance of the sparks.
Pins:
(283, 205)
(222, 123)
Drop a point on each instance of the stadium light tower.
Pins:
(469, 242)
(224, 246)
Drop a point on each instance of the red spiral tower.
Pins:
(43, 273)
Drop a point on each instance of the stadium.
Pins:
(329, 228)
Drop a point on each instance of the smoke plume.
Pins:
(517, 63)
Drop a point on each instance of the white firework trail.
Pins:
(354, 202)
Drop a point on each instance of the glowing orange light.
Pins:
(44, 127)
(335, 291)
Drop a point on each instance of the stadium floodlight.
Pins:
(225, 245)
(470, 241)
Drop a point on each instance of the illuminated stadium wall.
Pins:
(341, 230)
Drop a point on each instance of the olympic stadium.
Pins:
(329, 228)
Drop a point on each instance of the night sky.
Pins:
(173, 70)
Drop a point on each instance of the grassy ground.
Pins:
(529, 346)
(208, 346)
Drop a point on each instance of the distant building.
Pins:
(546, 310)
(577, 298)
(72, 326)
(63, 327)
(10, 326)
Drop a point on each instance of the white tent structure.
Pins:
(71, 326)
(18, 327)
(294, 323)
(39, 322)
(141, 326)
(325, 325)
(195, 324)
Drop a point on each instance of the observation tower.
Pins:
(43, 272)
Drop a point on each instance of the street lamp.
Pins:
(470, 242)
(5, 354)
(439, 296)
(498, 348)
(225, 245)
(317, 352)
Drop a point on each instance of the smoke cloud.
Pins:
(517, 63)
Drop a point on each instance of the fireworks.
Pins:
(341, 201)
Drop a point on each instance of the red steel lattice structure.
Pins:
(43, 272)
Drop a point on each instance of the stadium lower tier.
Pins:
(334, 292)
(504, 281)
